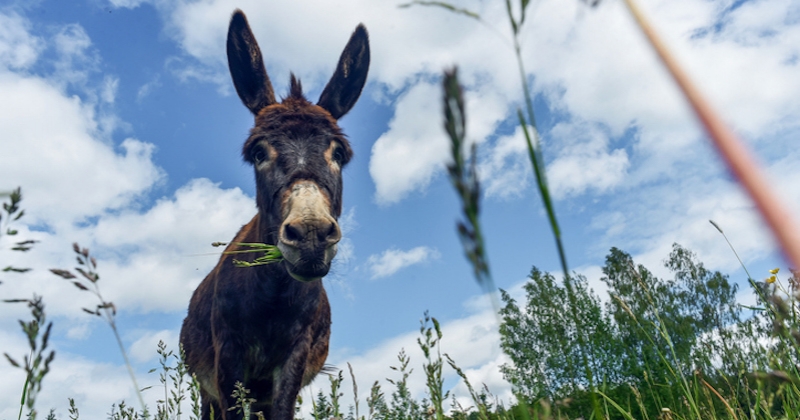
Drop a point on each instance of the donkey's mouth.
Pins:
(306, 268)
(307, 272)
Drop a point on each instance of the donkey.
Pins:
(268, 326)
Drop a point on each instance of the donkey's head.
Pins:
(297, 150)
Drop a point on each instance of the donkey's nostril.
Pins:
(333, 235)
(292, 233)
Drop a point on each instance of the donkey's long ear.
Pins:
(246, 65)
(345, 86)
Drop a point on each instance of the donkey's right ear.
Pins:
(247, 66)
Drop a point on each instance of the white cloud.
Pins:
(149, 261)
(405, 158)
(76, 59)
(144, 349)
(600, 70)
(415, 148)
(591, 64)
(507, 170)
(109, 90)
(393, 260)
(146, 89)
(584, 161)
(79, 186)
(129, 4)
(83, 175)
(646, 222)
(168, 243)
(18, 47)
(404, 42)
(94, 386)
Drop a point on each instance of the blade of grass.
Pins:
(614, 404)
(272, 254)
(24, 397)
(537, 162)
(721, 398)
(734, 153)
(444, 5)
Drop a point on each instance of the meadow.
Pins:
(654, 348)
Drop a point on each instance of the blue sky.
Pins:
(120, 123)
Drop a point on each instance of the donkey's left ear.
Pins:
(345, 86)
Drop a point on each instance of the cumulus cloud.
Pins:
(84, 175)
(80, 185)
(410, 47)
(394, 260)
(506, 170)
(405, 158)
(18, 47)
(171, 244)
(404, 42)
(144, 349)
(91, 175)
(583, 160)
(593, 65)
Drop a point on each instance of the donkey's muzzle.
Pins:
(309, 234)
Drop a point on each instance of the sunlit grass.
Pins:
(271, 253)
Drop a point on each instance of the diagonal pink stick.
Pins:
(733, 151)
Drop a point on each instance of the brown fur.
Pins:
(261, 325)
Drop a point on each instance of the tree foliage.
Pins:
(649, 334)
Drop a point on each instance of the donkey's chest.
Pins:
(269, 336)
(263, 358)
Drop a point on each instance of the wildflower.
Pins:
(771, 279)
(774, 271)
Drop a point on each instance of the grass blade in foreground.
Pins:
(733, 151)
(465, 180)
(87, 282)
(537, 162)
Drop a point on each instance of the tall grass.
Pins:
(766, 385)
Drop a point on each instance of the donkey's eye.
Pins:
(259, 155)
(338, 155)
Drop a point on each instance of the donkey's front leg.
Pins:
(228, 367)
(288, 380)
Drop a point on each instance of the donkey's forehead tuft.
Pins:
(296, 88)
